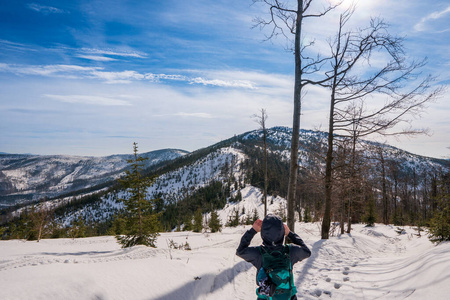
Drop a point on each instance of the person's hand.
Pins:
(286, 230)
(257, 225)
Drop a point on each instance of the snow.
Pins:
(252, 199)
(369, 263)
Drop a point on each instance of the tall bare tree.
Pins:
(351, 80)
(286, 18)
(261, 120)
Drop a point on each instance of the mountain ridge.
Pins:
(32, 177)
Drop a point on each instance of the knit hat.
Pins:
(272, 230)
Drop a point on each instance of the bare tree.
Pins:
(40, 218)
(350, 88)
(286, 18)
(261, 120)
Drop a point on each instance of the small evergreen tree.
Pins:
(118, 225)
(142, 223)
(188, 223)
(234, 220)
(214, 223)
(198, 221)
(78, 228)
(2, 232)
(306, 215)
(370, 217)
(440, 224)
(255, 216)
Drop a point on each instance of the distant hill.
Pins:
(32, 177)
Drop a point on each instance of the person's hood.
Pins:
(272, 230)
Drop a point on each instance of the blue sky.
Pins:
(92, 77)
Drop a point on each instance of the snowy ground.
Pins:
(370, 263)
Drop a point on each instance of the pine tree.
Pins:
(214, 223)
(255, 216)
(370, 218)
(198, 221)
(440, 223)
(306, 215)
(188, 223)
(142, 223)
(234, 220)
(78, 228)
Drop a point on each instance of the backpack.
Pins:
(275, 278)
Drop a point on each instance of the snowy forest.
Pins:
(357, 217)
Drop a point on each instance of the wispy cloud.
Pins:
(134, 54)
(121, 77)
(47, 70)
(9, 45)
(201, 80)
(118, 77)
(424, 23)
(223, 83)
(88, 99)
(45, 9)
(96, 57)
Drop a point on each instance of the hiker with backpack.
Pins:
(273, 260)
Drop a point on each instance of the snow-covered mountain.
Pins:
(225, 163)
(32, 177)
(279, 139)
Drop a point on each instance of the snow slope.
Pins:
(370, 263)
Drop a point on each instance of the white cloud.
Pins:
(157, 77)
(125, 77)
(45, 9)
(47, 70)
(88, 99)
(222, 83)
(424, 23)
(201, 80)
(118, 77)
(135, 54)
(96, 57)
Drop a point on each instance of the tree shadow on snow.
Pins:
(75, 253)
(207, 283)
(309, 262)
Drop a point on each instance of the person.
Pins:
(273, 232)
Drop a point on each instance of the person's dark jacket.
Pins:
(272, 233)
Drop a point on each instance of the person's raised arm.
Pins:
(245, 252)
(297, 253)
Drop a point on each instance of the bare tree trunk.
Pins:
(383, 188)
(353, 188)
(261, 120)
(296, 121)
(326, 222)
(266, 180)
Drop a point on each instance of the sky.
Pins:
(82, 77)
